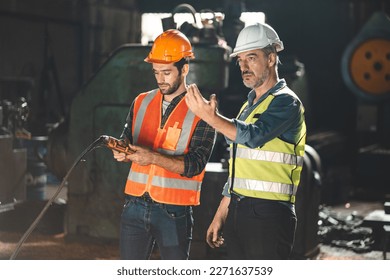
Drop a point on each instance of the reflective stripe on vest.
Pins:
(272, 171)
(269, 156)
(141, 115)
(269, 190)
(163, 182)
(173, 139)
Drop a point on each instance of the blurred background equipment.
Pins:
(14, 111)
(366, 71)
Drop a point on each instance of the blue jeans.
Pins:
(144, 223)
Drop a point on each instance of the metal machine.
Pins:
(13, 157)
(366, 71)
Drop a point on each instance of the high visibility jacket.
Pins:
(171, 139)
(271, 171)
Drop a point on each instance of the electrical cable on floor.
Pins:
(102, 140)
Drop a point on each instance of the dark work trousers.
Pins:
(259, 229)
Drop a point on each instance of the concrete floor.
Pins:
(342, 212)
(48, 242)
(57, 247)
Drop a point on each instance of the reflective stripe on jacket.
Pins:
(171, 139)
(271, 171)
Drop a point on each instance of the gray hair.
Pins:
(271, 49)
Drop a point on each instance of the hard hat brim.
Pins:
(234, 54)
(279, 47)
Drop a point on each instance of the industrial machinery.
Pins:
(22, 167)
(13, 157)
(366, 61)
(366, 72)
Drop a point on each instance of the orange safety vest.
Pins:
(172, 139)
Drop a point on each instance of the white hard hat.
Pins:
(257, 36)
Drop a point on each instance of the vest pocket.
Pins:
(172, 137)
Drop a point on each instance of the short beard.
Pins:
(260, 81)
(173, 88)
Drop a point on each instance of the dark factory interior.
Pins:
(69, 70)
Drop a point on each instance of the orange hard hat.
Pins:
(170, 47)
